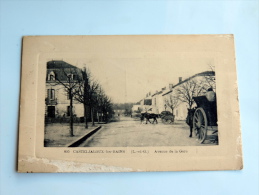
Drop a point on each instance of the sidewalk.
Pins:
(57, 135)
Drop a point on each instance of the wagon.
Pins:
(205, 118)
(167, 117)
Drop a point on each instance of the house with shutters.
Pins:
(59, 76)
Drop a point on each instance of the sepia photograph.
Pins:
(124, 102)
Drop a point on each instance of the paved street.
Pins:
(130, 132)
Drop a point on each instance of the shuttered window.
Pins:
(51, 94)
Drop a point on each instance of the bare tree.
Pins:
(93, 98)
(81, 94)
(189, 89)
(105, 106)
(86, 93)
(69, 78)
(172, 101)
(209, 79)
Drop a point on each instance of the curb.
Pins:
(83, 138)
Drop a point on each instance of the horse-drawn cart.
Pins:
(205, 118)
(167, 117)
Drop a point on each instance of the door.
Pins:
(51, 111)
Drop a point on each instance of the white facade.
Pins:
(160, 98)
(158, 102)
(59, 99)
(57, 102)
(135, 108)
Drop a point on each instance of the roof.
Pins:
(167, 92)
(61, 69)
(157, 93)
(206, 73)
(59, 64)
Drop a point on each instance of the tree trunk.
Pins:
(71, 114)
(85, 116)
(105, 117)
(92, 116)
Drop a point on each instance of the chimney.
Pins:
(171, 86)
(180, 79)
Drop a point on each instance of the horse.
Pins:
(189, 119)
(148, 116)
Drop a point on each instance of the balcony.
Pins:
(51, 101)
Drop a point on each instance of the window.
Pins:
(148, 102)
(70, 76)
(51, 94)
(51, 76)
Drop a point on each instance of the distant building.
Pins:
(158, 100)
(119, 112)
(136, 108)
(57, 100)
(146, 103)
(160, 97)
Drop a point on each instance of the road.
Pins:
(130, 132)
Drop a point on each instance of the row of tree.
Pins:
(82, 87)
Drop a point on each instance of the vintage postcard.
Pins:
(129, 103)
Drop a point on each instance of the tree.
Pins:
(209, 79)
(69, 78)
(92, 95)
(86, 93)
(172, 101)
(189, 89)
(105, 106)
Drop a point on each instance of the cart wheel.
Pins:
(200, 124)
(165, 120)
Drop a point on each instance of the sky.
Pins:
(129, 67)
(130, 79)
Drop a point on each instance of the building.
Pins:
(158, 99)
(203, 81)
(145, 104)
(119, 112)
(168, 98)
(59, 76)
(136, 108)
